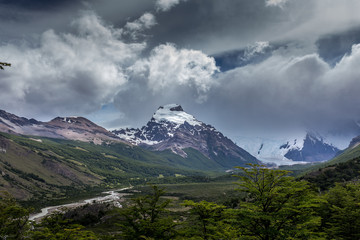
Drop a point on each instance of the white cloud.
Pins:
(134, 29)
(146, 21)
(168, 67)
(253, 50)
(166, 5)
(73, 73)
(278, 3)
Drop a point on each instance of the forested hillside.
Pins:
(269, 205)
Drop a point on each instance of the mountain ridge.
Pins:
(71, 128)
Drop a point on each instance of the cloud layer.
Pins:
(278, 76)
(77, 73)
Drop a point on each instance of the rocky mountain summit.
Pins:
(172, 128)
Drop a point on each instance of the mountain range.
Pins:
(171, 128)
(70, 155)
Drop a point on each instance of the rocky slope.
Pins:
(172, 128)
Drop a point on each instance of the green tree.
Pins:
(4, 64)
(146, 217)
(276, 206)
(341, 212)
(55, 227)
(13, 218)
(209, 222)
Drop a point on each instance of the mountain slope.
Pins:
(29, 173)
(172, 128)
(73, 128)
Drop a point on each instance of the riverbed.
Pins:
(111, 196)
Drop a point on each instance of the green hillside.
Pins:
(343, 168)
(326, 177)
(348, 154)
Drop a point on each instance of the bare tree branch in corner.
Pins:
(4, 64)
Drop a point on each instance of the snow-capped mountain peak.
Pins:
(165, 122)
(174, 113)
(172, 128)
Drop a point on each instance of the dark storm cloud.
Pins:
(333, 47)
(37, 4)
(26, 20)
(215, 26)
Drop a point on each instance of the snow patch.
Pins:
(149, 142)
(68, 120)
(129, 136)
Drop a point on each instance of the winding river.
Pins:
(111, 196)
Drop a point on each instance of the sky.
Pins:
(248, 67)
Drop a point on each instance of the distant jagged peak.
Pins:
(174, 113)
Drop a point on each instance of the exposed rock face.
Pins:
(172, 128)
(80, 128)
(73, 128)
